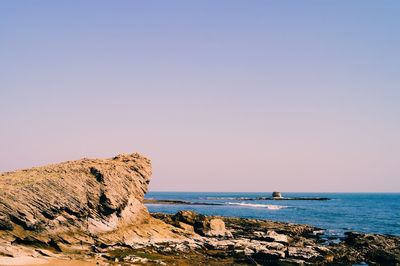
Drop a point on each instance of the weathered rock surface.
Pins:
(79, 201)
(201, 224)
(273, 236)
(383, 250)
(265, 242)
(215, 227)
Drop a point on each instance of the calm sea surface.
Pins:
(363, 212)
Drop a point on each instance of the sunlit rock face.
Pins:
(76, 199)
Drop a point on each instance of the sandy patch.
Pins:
(27, 260)
(22, 260)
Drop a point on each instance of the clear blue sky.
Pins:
(221, 95)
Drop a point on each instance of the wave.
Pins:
(267, 206)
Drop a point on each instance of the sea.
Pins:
(362, 212)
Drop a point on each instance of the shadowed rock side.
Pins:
(79, 201)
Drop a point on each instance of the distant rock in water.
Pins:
(69, 201)
(276, 194)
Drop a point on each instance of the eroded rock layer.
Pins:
(76, 199)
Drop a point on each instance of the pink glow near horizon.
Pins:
(221, 97)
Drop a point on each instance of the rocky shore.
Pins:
(91, 212)
(235, 241)
(213, 240)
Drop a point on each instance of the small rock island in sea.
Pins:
(276, 195)
(91, 212)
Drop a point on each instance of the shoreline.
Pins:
(220, 240)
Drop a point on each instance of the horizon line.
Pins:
(360, 192)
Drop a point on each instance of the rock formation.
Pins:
(263, 242)
(202, 225)
(79, 201)
(276, 194)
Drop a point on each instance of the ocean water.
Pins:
(362, 212)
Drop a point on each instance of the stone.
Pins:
(45, 252)
(273, 236)
(205, 226)
(186, 226)
(267, 257)
(248, 251)
(303, 253)
(274, 245)
(220, 244)
(293, 262)
(215, 227)
(188, 217)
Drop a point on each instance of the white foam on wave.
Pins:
(266, 206)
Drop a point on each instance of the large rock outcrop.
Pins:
(77, 201)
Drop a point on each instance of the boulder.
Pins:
(188, 217)
(205, 226)
(214, 227)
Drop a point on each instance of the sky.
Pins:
(220, 95)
